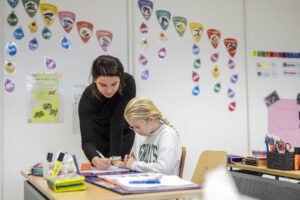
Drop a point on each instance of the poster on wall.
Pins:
(44, 97)
(77, 91)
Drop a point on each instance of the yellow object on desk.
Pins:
(64, 183)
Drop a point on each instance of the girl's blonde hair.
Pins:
(142, 108)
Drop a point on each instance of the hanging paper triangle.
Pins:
(231, 45)
(180, 24)
(104, 38)
(13, 3)
(67, 20)
(196, 30)
(163, 17)
(49, 13)
(85, 30)
(146, 8)
(31, 6)
(214, 37)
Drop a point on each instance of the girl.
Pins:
(159, 150)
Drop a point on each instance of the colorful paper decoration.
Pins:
(217, 87)
(67, 20)
(231, 45)
(143, 60)
(145, 74)
(195, 76)
(196, 90)
(197, 63)
(49, 12)
(31, 6)
(195, 49)
(9, 67)
(12, 19)
(214, 37)
(46, 33)
(232, 106)
(144, 28)
(144, 44)
(180, 24)
(65, 43)
(215, 72)
(230, 93)
(162, 53)
(196, 30)
(162, 37)
(11, 48)
(85, 30)
(163, 18)
(234, 78)
(274, 54)
(146, 8)
(49, 62)
(9, 86)
(19, 33)
(231, 64)
(214, 57)
(13, 3)
(32, 26)
(33, 44)
(104, 38)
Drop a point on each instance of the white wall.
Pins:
(272, 25)
(25, 143)
(1, 101)
(203, 121)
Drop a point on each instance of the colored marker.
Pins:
(145, 182)
(76, 164)
(49, 157)
(57, 164)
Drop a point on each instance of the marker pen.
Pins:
(57, 164)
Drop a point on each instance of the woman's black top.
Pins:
(102, 122)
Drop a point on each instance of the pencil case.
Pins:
(283, 161)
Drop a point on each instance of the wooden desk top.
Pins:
(94, 192)
(263, 169)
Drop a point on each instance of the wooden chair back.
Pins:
(181, 166)
(208, 160)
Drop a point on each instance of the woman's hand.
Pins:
(101, 163)
(129, 162)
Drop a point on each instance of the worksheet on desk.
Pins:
(111, 169)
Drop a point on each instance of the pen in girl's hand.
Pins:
(100, 154)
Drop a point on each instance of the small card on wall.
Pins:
(271, 98)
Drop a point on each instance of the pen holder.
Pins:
(283, 161)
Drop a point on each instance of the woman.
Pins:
(101, 107)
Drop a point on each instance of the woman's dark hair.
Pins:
(106, 66)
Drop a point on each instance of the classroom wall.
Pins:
(25, 143)
(272, 25)
(203, 121)
(1, 100)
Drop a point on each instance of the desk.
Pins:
(94, 192)
(294, 174)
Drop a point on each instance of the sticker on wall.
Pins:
(230, 93)
(85, 30)
(144, 28)
(9, 67)
(289, 64)
(217, 87)
(146, 8)
(9, 86)
(214, 37)
(33, 44)
(49, 13)
(196, 90)
(11, 48)
(143, 60)
(266, 65)
(162, 53)
(163, 18)
(291, 73)
(46, 33)
(214, 57)
(162, 37)
(67, 20)
(65, 43)
(32, 26)
(215, 72)
(144, 44)
(196, 30)
(232, 106)
(195, 49)
(145, 74)
(197, 63)
(195, 76)
(231, 64)
(231, 45)
(19, 33)
(234, 78)
(49, 62)
(12, 19)
(180, 24)
(13, 3)
(104, 38)
(267, 74)
(31, 6)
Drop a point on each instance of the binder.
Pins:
(68, 182)
(234, 158)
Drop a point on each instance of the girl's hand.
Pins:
(101, 163)
(126, 158)
(130, 161)
(118, 163)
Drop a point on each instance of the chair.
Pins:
(181, 165)
(208, 160)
